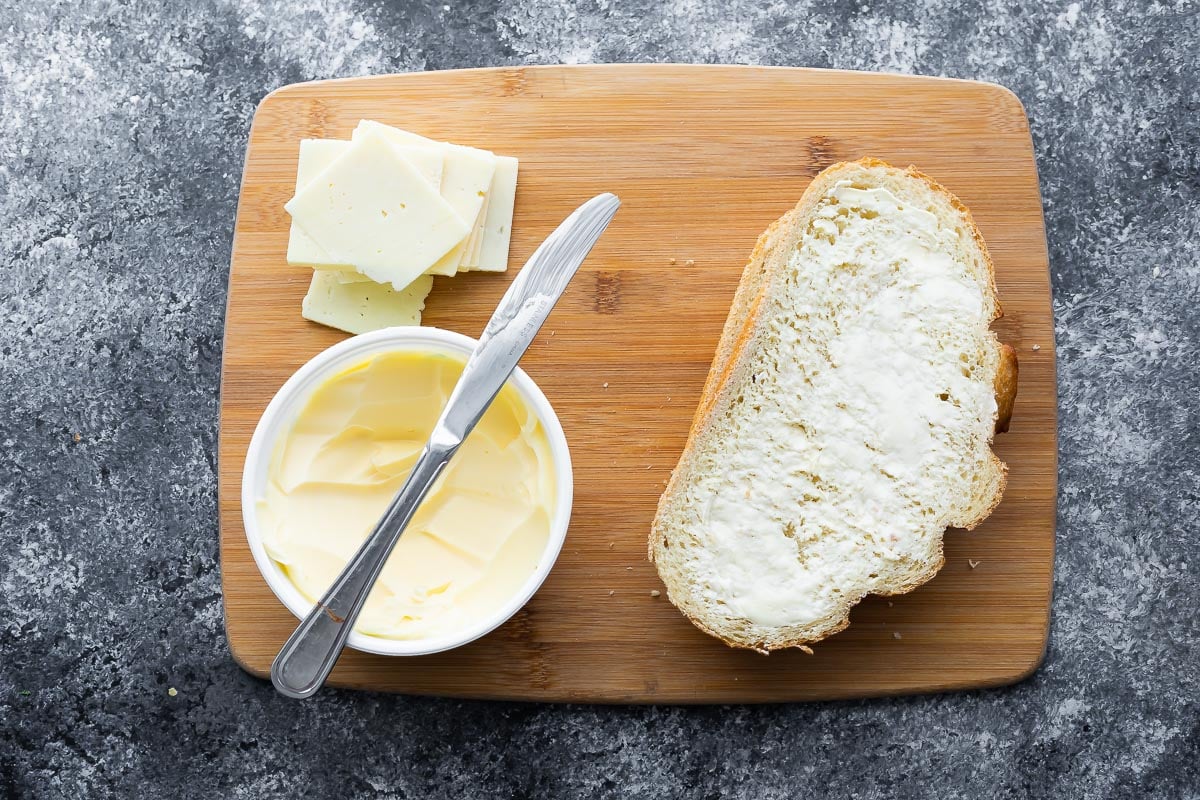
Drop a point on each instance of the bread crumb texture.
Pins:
(850, 417)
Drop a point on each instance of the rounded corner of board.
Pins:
(245, 663)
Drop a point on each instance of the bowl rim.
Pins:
(286, 403)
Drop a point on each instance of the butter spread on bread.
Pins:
(848, 416)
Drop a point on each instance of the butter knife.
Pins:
(309, 655)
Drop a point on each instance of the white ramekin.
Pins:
(281, 413)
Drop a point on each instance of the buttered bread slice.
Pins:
(848, 416)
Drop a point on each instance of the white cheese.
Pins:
(372, 208)
(471, 249)
(349, 276)
(363, 307)
(492, 255)
(315, 156)
(466, 178)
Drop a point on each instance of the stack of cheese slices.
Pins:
(376, 217)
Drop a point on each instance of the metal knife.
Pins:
(308, 656)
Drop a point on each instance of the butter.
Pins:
(476, 539)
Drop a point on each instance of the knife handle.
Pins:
(308, 656)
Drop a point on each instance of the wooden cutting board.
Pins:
(703, 158)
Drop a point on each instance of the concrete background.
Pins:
(122, 132)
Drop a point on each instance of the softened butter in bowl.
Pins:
(336, 445)
(476, 538)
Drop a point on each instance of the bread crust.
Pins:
(733, 355)
(1006, 387)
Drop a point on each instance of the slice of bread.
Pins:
(848, 415)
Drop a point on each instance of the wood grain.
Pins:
(703, 159)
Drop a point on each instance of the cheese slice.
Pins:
(363, 307)
(497, 230)
(349, 276)
(466, 178)
(315, 156)
(471, 251)
(372, 208)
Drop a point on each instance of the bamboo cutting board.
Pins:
(703, 158)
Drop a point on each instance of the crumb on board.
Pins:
(803, 648)
(1036, 347)
(973, 563)
(672, 261)
(610, 545)
(611, 592)
(655, 593)
(896, 635)
(691, 262)
(606, 384)
(629, 569)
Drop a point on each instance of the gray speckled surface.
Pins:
(122, 130)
